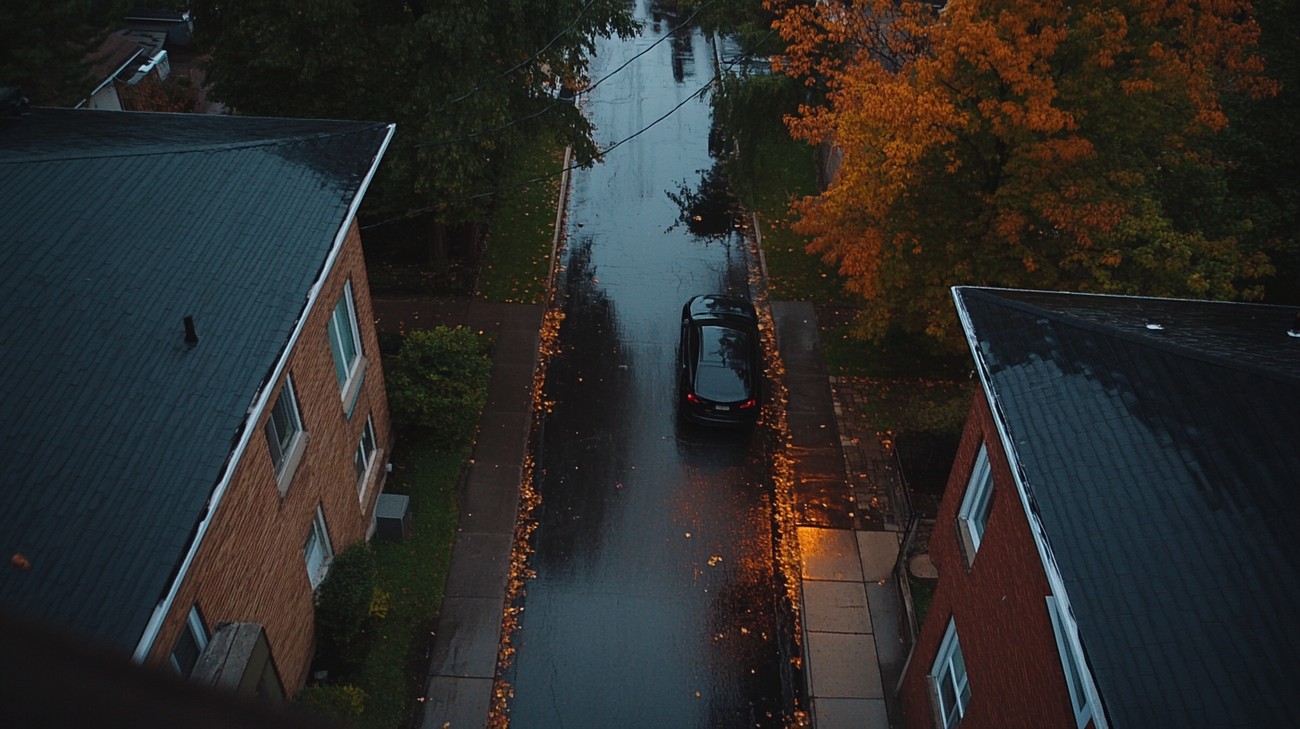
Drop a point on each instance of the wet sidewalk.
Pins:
(848, 539)
(468, 635)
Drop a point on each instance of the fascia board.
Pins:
(1036, 528)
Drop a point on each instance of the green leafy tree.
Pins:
(748, 108)
(49, 47)
(745, 20)
(1264, 180)
(466, 81)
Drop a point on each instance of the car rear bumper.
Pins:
(708, 415)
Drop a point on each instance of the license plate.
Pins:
(721, 407)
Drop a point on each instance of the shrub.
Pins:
(437, 384)
(390, 343)
(343, 616)
(341, 703)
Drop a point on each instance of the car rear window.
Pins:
(723, 384)
(723, 370)
(724, 346)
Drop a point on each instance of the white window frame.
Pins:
(198, 632)
(343, 326)
(363, 459)
(318, 537)
(976, 505)
(1071, 662)
(950, 667)
(285, 453)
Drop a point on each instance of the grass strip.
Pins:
(516, 261)
(780, 171)
(413, 574)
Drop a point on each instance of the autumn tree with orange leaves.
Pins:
(1022, 143)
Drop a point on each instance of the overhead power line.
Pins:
(601, 153)
(547, 109)
(532, 58)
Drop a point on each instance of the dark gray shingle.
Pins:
(114, 227)
(1165, 464)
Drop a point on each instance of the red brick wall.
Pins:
(250, 566)
(998, 604)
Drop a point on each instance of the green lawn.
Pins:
(516, 262)
(782, 171)
(378, 690)
(413, 574)
(922, 595)
(917, 386)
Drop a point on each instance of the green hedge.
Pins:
(340, 703)
(343, 619)
(437, 384)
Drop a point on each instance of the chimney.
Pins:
(191, 336)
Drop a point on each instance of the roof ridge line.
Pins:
(192, 148)
(1167, 345)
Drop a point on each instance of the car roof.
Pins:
(717, 306)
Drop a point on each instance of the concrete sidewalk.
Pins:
(851, 612)
(464, 659)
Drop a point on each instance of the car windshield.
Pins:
(723, 371)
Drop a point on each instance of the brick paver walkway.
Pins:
(869, 462)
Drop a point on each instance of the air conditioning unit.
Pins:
(393, 517)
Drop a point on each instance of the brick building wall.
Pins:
(250, 566)
(997, 603)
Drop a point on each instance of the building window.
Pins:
(365, 454)
(317, 550)
(973, 516)
(345, 345)
(1071, 663)
(189, 646)
(949, 686)
(285, 438)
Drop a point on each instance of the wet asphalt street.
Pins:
(655, 599)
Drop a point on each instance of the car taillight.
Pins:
(693, 398)
(748, 404)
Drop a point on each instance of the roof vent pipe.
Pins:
(191, 337)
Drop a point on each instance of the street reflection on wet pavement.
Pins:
(652, 597)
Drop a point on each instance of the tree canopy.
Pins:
(49, 47)
(465, 80)
(1025, 143)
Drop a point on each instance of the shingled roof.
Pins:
(114, 432)
(1158, 442)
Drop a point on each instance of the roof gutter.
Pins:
(111, 78)
(1036, 528)
(255, 410)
